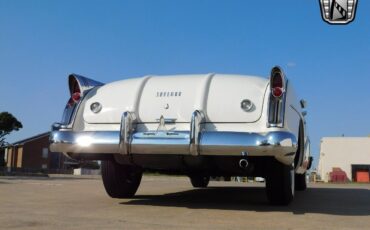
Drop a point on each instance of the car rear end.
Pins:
(197, 115)
(215, 125)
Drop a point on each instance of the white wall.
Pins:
(342, 152)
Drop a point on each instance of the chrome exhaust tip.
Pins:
(243, 163)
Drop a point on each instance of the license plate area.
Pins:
(162, 135)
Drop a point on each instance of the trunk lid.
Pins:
(177, 97)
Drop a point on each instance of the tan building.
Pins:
(345, 156)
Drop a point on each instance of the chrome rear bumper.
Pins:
(280, 144)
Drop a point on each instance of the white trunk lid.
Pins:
(176, 97)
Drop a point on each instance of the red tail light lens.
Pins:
(75, 97)
(75, 94)
(277, 92)
(277, 87)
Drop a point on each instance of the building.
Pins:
(347, 157)
(32, 155)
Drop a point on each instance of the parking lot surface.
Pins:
(67, 202)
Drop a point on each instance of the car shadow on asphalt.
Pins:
(333, 201)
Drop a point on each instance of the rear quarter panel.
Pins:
(292, 110)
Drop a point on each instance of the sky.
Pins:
(41, 42)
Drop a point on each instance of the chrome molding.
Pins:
(70, 113)
(167, 120)
(84, 83)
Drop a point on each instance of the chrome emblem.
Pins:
(163, 121)
(162, 124)
(338, 11)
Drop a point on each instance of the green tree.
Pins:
(8, 124)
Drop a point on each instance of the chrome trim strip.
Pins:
(167, 120)
(70, 113)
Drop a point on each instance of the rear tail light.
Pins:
(75, 92)
(76, 96)
(277, 82)
(78, 86)
(277, 91)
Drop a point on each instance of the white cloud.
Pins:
(291, 64)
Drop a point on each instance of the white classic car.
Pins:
(196, 125)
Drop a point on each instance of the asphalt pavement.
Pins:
(168, 202)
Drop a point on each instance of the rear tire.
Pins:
(280, 183)
(300, 182)
(120, 181)
(199, 181)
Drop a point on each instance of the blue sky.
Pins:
(41, 42)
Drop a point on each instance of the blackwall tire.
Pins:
(280, 183)
(199, 181)
(120, 181)
(300, 182)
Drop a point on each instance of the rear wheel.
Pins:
(199, 181)
(280, 183)
(120, 181)
(300, 182)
